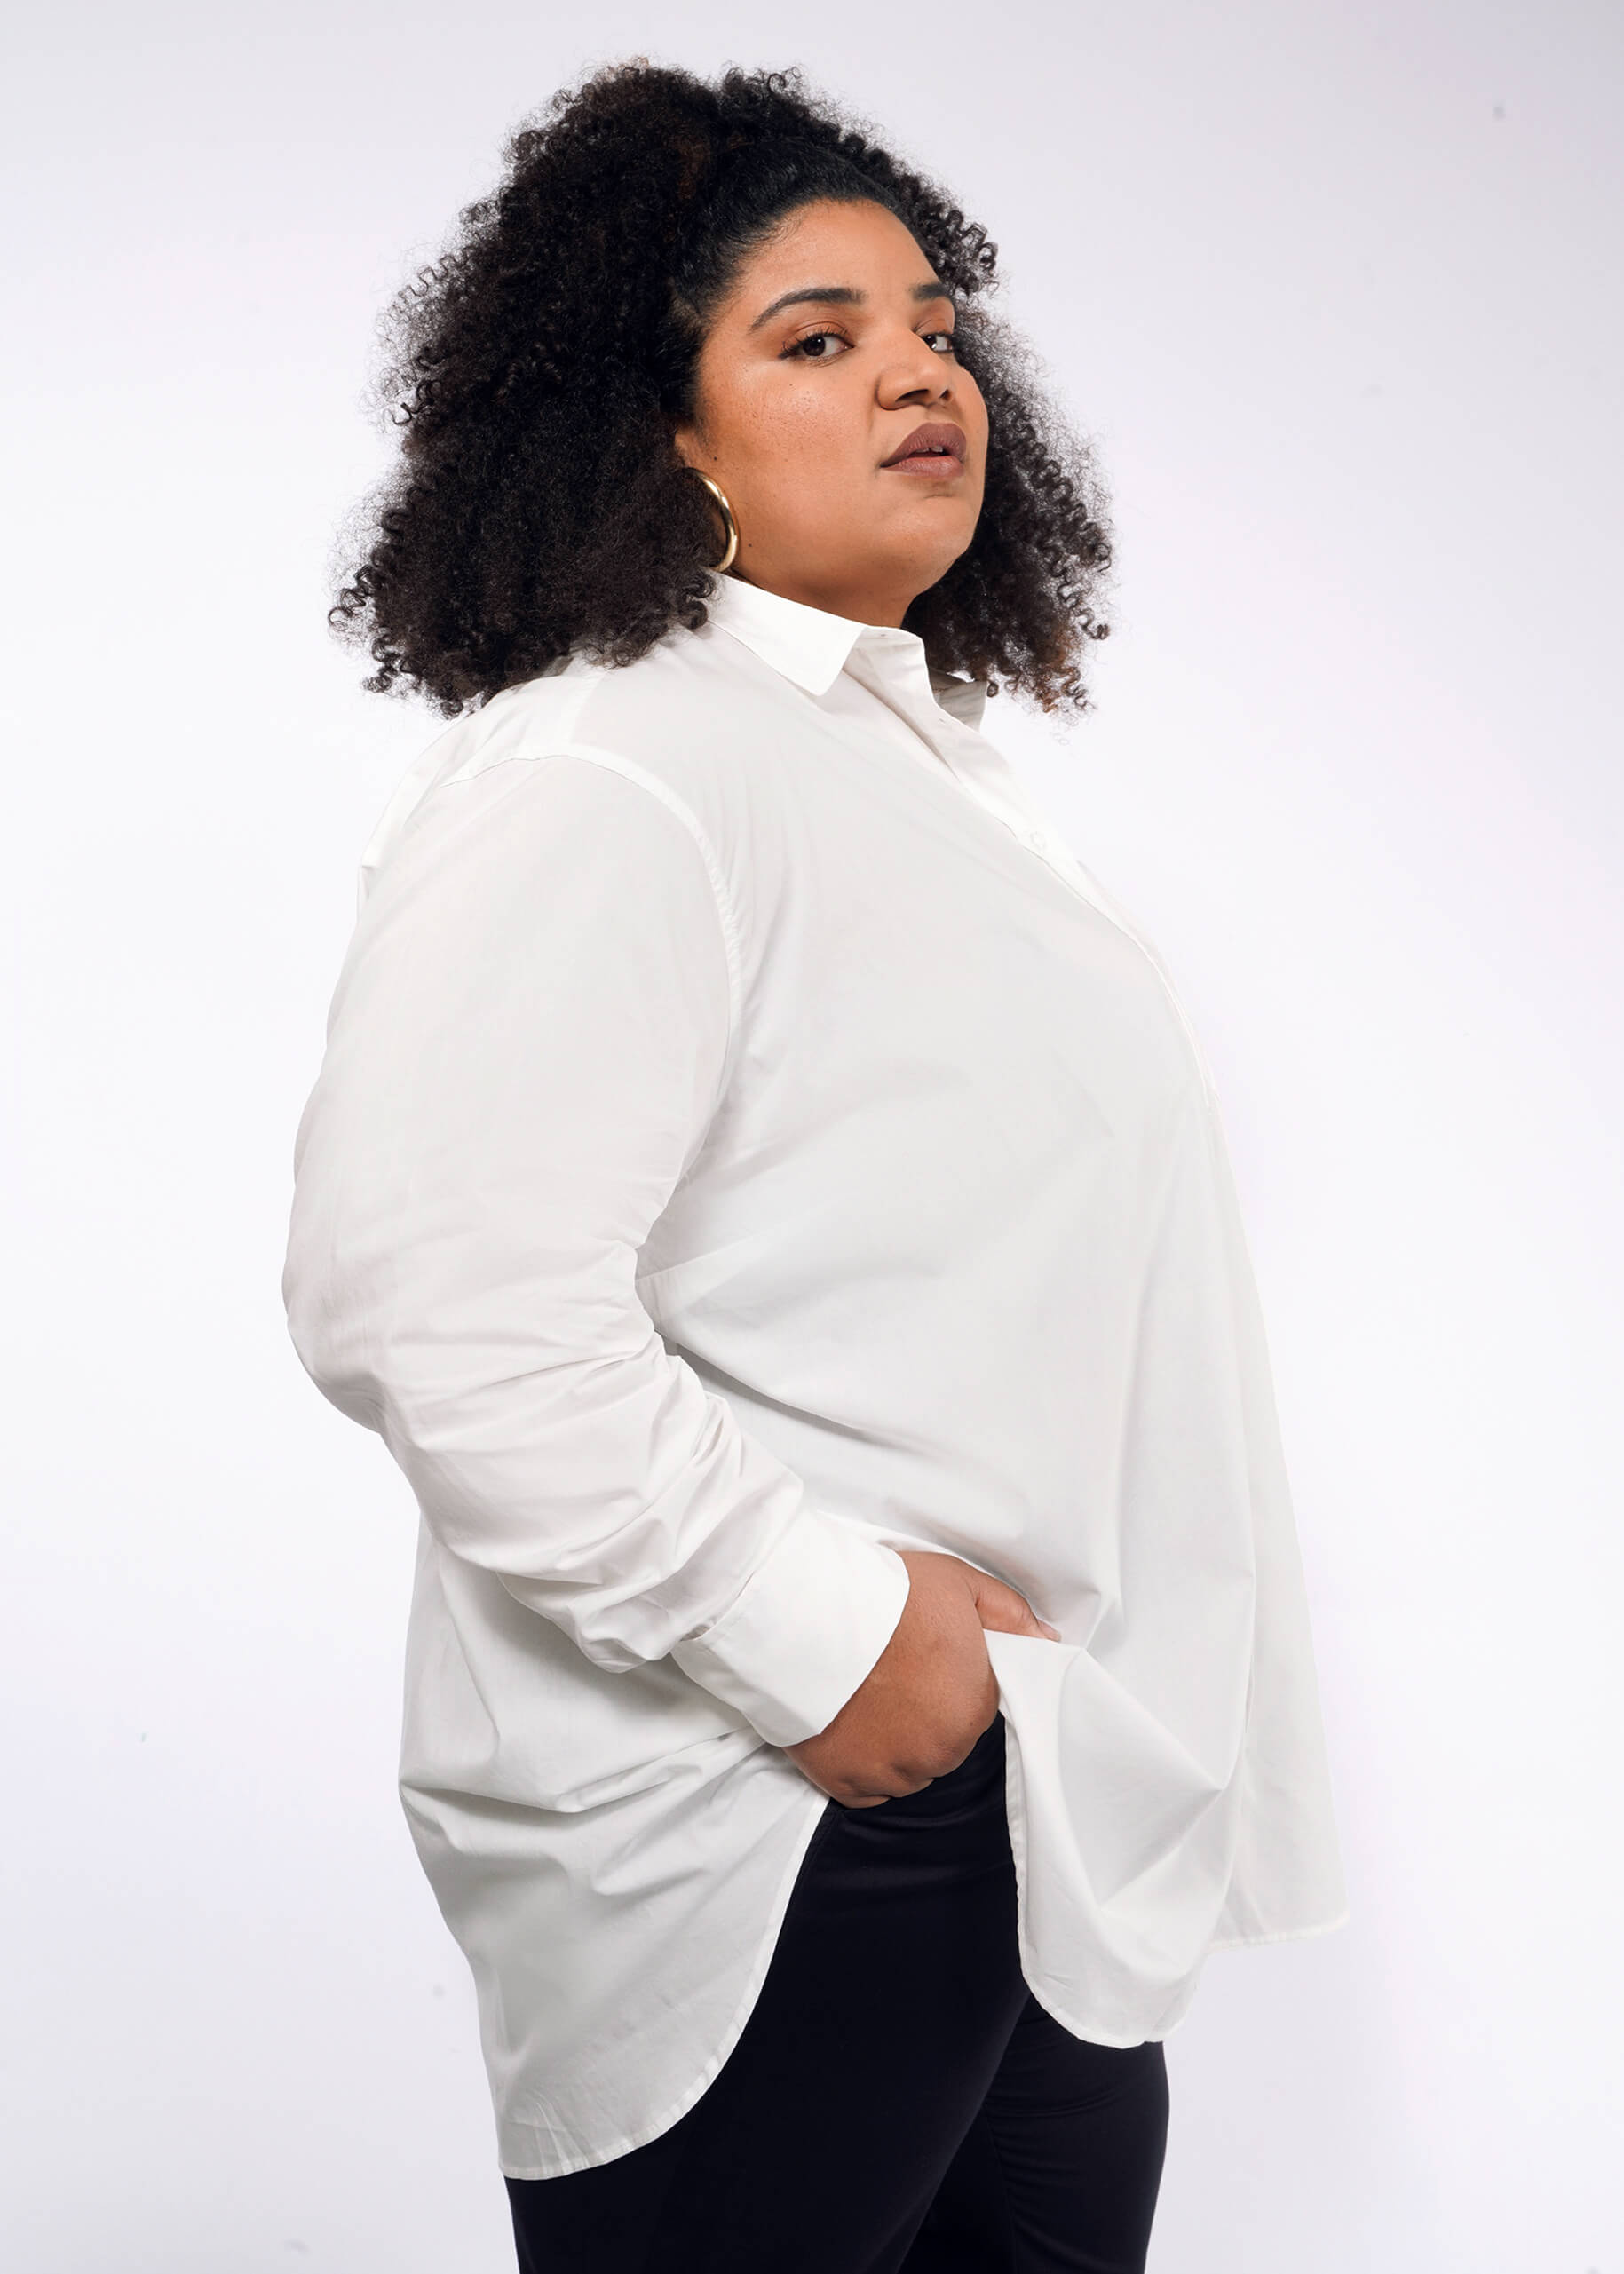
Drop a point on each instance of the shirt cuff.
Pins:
(806, 1631)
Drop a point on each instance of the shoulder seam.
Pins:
(721, 899)
(550, 744)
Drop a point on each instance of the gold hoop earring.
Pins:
(730, 553)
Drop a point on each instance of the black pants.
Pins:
(898, 2103)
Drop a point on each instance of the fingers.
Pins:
(1002, 1611)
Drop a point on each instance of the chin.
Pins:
(928, 567)
(934, 541)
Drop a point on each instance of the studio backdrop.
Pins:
(1333, 289)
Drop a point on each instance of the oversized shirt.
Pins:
(749, 1143)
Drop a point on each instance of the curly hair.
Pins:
(539, 369)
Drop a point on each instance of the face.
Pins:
(833, 348)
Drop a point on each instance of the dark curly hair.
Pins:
(539, 369)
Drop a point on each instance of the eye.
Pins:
(946, 336)
(813, 346)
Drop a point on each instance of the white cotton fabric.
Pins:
(749, 1143)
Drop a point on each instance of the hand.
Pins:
(931, 1695)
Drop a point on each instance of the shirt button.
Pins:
(1037, 838)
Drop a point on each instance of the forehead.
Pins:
(860, 244)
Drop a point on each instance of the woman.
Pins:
(771, 1205)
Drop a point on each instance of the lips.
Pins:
(937, 444)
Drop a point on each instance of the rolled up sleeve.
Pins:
(530, 1037)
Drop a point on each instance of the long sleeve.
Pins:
(749, 1143)
(528, 1041)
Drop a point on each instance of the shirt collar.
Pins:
(810, 646)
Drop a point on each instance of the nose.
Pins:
(915, 373)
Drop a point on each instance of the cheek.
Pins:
(974, 411)
(790, 430)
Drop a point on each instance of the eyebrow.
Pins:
(845, 295)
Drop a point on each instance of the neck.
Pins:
(860, 604)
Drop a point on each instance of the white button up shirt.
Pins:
(748, 1143)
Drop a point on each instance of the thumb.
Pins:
(1002, 1611)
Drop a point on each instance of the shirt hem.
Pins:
(1182, 1996)
(1284, 1934)
(508, 2157)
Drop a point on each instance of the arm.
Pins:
(528, 1039)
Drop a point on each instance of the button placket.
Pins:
(939, 730)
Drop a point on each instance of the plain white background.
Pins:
(1335, 288)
